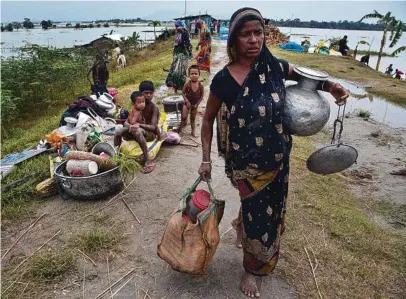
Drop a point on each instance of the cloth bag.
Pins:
(189, 247)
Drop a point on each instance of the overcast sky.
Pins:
(167, 10)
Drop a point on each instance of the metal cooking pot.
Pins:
(305, 111)
(96, 186)
(335, 157)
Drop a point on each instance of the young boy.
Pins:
(136, 128)
(193, 95)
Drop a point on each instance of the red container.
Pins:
(199, 202)
(201, 199)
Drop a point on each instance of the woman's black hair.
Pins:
(135, 95)
(193, 67)
(146, 85)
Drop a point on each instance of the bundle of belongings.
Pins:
(292, 46)
(192, 234)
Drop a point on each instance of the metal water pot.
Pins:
(305, 111)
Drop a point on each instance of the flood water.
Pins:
(381, 110)
(65, 37)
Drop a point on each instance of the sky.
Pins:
(166, 10)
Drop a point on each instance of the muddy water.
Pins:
(381, 110)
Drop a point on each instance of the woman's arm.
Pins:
(335, 89)
(212, 108)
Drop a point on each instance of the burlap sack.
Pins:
(189, 247)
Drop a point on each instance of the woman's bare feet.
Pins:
(238, 230)
(251, 285)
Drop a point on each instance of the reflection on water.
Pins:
(381, 110)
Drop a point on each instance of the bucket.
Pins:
(81, 167)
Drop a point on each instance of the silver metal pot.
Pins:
(90, 187)
(335, 157)
(305, 111)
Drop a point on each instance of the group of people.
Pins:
(398, 73)
(193, 90)
(246, 99)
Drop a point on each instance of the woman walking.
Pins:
(246, 97)
(203, 57)
(181, 55)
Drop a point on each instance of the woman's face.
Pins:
(249, 39)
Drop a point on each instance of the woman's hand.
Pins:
(339, 93)
(205, 172)
(187, 103)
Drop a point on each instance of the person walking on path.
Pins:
(203, 56)
(182, 52)
(246, 97)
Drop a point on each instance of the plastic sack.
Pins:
(172, 138)
(189, 247)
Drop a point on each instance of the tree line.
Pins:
(345, 25)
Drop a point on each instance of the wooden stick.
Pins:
(146, 293)
(122, 286)
(22, 235)
(128, 207)
(86, 256)
(174, 291)
(314, 275)
(22, 293)
(118, 281)
(108, 276)
(83, 284)
(15, 281)
(38, 249)
(188, 144)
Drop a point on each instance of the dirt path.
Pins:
(152, 197)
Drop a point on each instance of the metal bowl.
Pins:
(332, 159)
(97, 186)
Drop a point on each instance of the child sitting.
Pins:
(193, 95)
(136, 128)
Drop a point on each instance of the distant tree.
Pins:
(389, 23)
(106, 25)
(155, 24)
(117, 23)
(68, 25)
(98, 25)
(44, 24)
(77, 25)
(91, 25)
(49, 23)
(27, 24)
(9, 27)
(2, 28)
(17, 25)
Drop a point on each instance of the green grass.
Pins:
(96, 240)
(365, 114)
(51, 265)
(356, 258)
